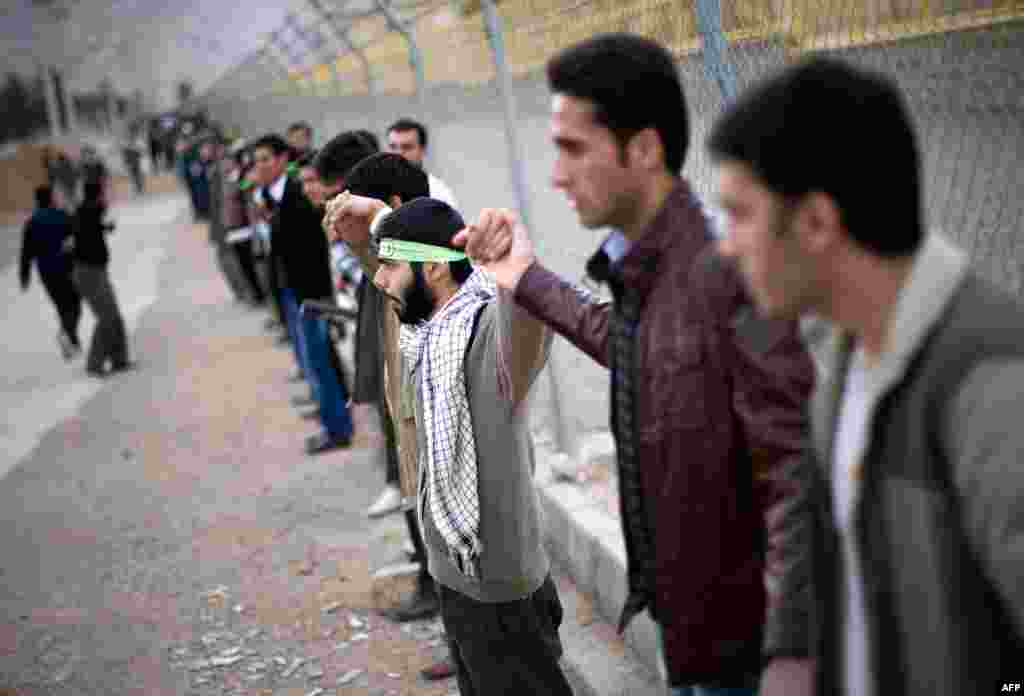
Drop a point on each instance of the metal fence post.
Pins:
(46, 74)
(396, 23)
(716, 63)
(496, 40)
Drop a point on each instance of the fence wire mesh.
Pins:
(959, 62)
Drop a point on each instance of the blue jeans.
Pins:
(716, 63)
(330, 390)
(290, 304)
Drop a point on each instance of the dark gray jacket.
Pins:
(939, 525)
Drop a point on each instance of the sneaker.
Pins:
(296, 377)
(389, 501)
(323, 442)
(409, 549)
(303, 401)
(422, 606)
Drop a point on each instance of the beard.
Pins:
(417, 301)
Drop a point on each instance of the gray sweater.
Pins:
(507, 352)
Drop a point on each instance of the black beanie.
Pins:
(423, 220)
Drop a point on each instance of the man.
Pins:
(391, 179)
(298, 248)
(706, 399)
(333, 166)
(915, 498)
(44, 241)
(300, 139)
(408, 138)
(212, 152)
(109, 342)
(473, 356)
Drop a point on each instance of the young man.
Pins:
(299, 247)
(408, 138)
(915, 498)
(473, 356)
(300, 139)
(45, 236)
(707, 400)
(391, 179)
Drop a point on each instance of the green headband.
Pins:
(402, 250)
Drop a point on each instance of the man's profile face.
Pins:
(589, 166)
(407, 144)
(762, 239)
(269, 167)
(311, 185)
(408, 290)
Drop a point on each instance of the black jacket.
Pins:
(43, 242)
(91, 235)
(298, 243)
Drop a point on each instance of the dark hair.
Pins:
(91, 191)
(307, 159)
(302, 126)
(386, 174)
(428, 221)
(338, 157)
(44, 196)
(408, 124)
(786, 131)
(273, 142)
(370, 137)
(632, 83)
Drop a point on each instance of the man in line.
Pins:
(333, 166)
(408, 138)
(299, 247)
(473, 356)
(391, 179)
(300, 139)
(707, 399)
(44, 241)
(915, 498)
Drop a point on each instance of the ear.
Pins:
(818, 222)
(394, 201)
(645, 149)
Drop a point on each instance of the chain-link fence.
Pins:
(338, 65)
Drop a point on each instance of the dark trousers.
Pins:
(109, 340)
(390, 440)
(61, 289)
(506, 648)
(424, 583)
(243, 250)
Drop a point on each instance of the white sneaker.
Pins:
(408, 548)
(389, 501)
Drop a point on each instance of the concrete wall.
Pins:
(966, 91)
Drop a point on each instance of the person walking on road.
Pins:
(912, 508)
(45, 241)
(707, 397)
(91, 257)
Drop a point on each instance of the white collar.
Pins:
(277, 188)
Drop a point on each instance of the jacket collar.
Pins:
(936, 273)
(679, 223)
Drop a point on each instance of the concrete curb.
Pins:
(588, 544)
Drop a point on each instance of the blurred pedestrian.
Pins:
(91, 258)
(45, 242)
(408, 138)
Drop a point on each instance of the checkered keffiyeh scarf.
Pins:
(437, 349)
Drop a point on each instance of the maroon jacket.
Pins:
(721, 397)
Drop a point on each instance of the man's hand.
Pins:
(788, 676)
(348, 218)
(500, 244)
